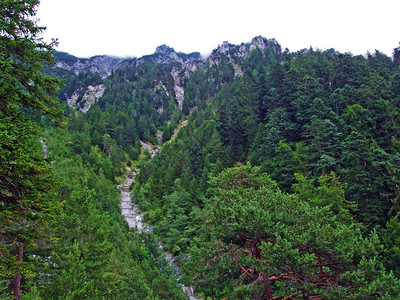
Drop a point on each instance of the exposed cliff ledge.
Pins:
(235, 54)
(183, 66)
(230, 53)
(166, 55)
(103, 65)
(83, 100)
(178, 87)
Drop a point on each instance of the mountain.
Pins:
(102, 65)
(261, 174)
(266, 156)
(84, 95)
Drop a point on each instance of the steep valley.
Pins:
(246, 121)
(252, 173)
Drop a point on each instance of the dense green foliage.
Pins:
(62, 234)
(27, 189)
(316, 122)
(96, 256)
(256, 240)
(281, 182)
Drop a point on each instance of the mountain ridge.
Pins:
(104, 65)
(83, 95)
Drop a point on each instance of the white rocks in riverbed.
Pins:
(134, 218)
(131, 213)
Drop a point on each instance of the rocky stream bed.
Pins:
(134, 218)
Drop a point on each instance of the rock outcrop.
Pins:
(183, 66)
(102, 64)
(166, 55)
(235, 54)
(178, 87)
(90, 96)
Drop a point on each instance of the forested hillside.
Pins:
(277, 174)
(324, 127)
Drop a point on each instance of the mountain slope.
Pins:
(321, 125)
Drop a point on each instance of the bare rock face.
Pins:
(90, 96)
(265, 44)
(183, 66)
(235, 54)
(186, 64)
(178, 88)
(165, 54)
(71, 101)
(102, 64)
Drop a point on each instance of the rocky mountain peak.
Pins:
(165, 55)
(263, 43)
(183, 66)
(165, 50)
(225, 47)
(228, 53)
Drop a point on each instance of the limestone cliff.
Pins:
(89, 96)
(182, 66)
(102, 65)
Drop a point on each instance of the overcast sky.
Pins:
(134, 28)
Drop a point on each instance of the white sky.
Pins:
(136, 27)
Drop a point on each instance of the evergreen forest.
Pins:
(264, 173)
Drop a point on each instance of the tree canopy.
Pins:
(281, 182)
(256, 240)
(27, 189)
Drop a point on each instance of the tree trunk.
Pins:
(267, 286)
(17, 281)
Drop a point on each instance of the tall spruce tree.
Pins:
(27, 199)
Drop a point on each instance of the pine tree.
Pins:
(258, 242)
(26, 186)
